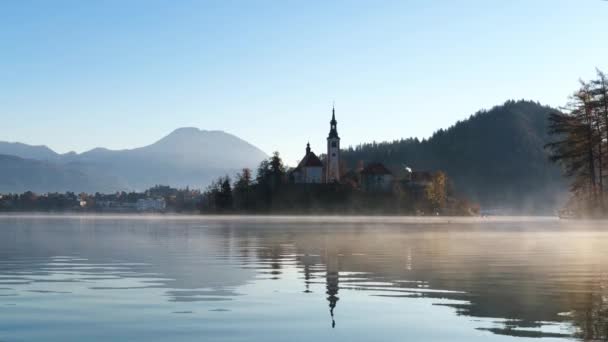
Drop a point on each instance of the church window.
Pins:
(334, 144)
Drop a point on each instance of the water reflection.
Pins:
(332, 278)
(191, 277)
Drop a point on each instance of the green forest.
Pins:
(272, 191)
(496, 157)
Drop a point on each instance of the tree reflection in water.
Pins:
(521, 275)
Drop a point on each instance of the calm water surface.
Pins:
(298, 279)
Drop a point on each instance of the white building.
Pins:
(310, 169)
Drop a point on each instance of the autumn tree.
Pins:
(436, 191)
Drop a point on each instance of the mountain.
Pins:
(185, 157)
(18, 175)
(495, 157)
(28, 151)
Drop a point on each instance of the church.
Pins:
(373, 177)
(311, 170)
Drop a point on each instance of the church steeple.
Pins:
(332, 166)
(307, 148)
(333, 125)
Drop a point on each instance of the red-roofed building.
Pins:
(310, 169)
(375, 177)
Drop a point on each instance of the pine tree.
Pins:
(243, 191)
(224, 199)
(599, 93)
(581, 145)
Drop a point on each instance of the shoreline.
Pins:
(287, 218)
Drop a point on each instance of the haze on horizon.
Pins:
(78, 75)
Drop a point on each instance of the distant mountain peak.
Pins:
(22, 145)
(187, 156)
(186, 130)
(40, 152)
(193, 131)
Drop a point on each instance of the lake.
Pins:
(179, 278)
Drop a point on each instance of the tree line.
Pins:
(580, 145)
(272, 190)
(246, 193)
(176, 200)
(494, 157)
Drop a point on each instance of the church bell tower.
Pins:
(333, 151)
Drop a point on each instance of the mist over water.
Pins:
(121, 278)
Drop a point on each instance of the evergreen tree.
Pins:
(599, 94)
(271, 175)
(277, 171)
(580, 146)
(211, 197)
(243, 191)
(224, 196)
(495, 157)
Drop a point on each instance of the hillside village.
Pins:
(158, 199)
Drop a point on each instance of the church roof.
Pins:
(376, 169)
(310, 160)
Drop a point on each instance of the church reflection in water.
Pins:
(330, 264)
(332, 279)
(458, 268)
(513, 276)
(311, 265)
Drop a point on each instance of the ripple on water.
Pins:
(510, 279)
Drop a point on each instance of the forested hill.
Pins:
(495, 157)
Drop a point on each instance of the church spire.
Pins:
(332, 166)
(333, 124)
(308, 148)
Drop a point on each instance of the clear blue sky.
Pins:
(80, 74)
